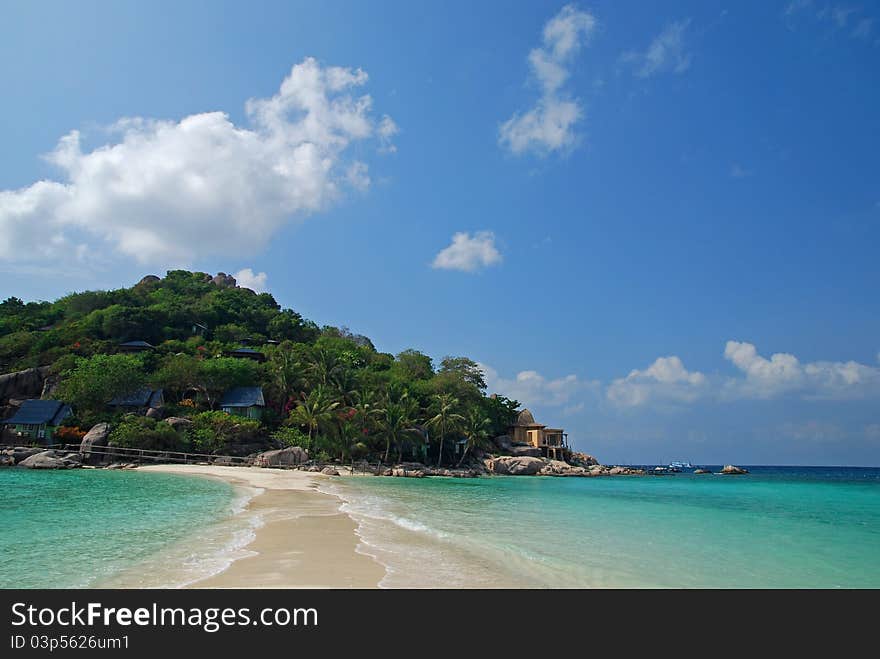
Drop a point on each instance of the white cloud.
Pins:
(171, 192)
(387, 130)
(783, 373)
(665, 54)
(549, 126)
(531, 388)
(247, 278)
(664, 381)
(468, 253)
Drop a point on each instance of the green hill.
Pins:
(326, 389)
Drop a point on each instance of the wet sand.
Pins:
(304, 541)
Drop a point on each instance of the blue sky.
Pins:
(656, 224)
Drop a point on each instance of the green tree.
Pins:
(446, 418)
(223, 373)
(465, 369)
(97, 380)
(314, 412)
(475, 430)
(395, 422)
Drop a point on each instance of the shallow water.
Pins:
(82, 528)
(774, 528)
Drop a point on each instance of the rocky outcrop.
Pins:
(329, 471)
(149, 279)
(222, 280)
(409, 470)
(521, 451)
(285, 457)
(19, 453)
(731, 470)
(23, 384)
(583, 460)
(515, 466)
(179, 423)
(560, 468)
(154, 413)
(702, 471)
(528, 466)
(96, 438)
(457, 472)
(50, 460)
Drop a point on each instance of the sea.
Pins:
(777, 527)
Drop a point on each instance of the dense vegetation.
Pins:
(326, 389)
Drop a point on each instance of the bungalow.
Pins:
(139, 401)
(244, 401)
(246, 353)
(39, 419)
(135, 346)
(553, 442)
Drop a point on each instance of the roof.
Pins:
(245, 351)
(141, 398)
(35, 412)
(525, 418)
(136, 344)
(243, 397)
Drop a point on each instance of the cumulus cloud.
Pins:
(665, 381)
(549, 125)
(532, 388)
(784, 373)
(665, 54)
(170, 192)
(468, 253)
(247, 278)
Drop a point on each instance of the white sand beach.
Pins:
(304, 541)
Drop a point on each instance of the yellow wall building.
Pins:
(553, 442)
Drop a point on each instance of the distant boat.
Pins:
(678, 466)
(661, 471)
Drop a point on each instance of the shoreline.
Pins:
(302, 540)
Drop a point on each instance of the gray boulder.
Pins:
(154, 413)
(20, 453)
(731, 470)
(23, 384)
(222, 280)
(47, 460)
(329, 471)
(95, 438)
(583, 460)
(285, 457)
(149, 279)
(515, 466)
(525, 451)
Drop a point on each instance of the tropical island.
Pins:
(192, 364)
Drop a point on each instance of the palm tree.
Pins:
(314, 411)
(396, 420)
(446, 418)
(476, 431)
(321, 365)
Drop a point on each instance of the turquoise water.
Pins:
(80, 528)
(774, 528)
